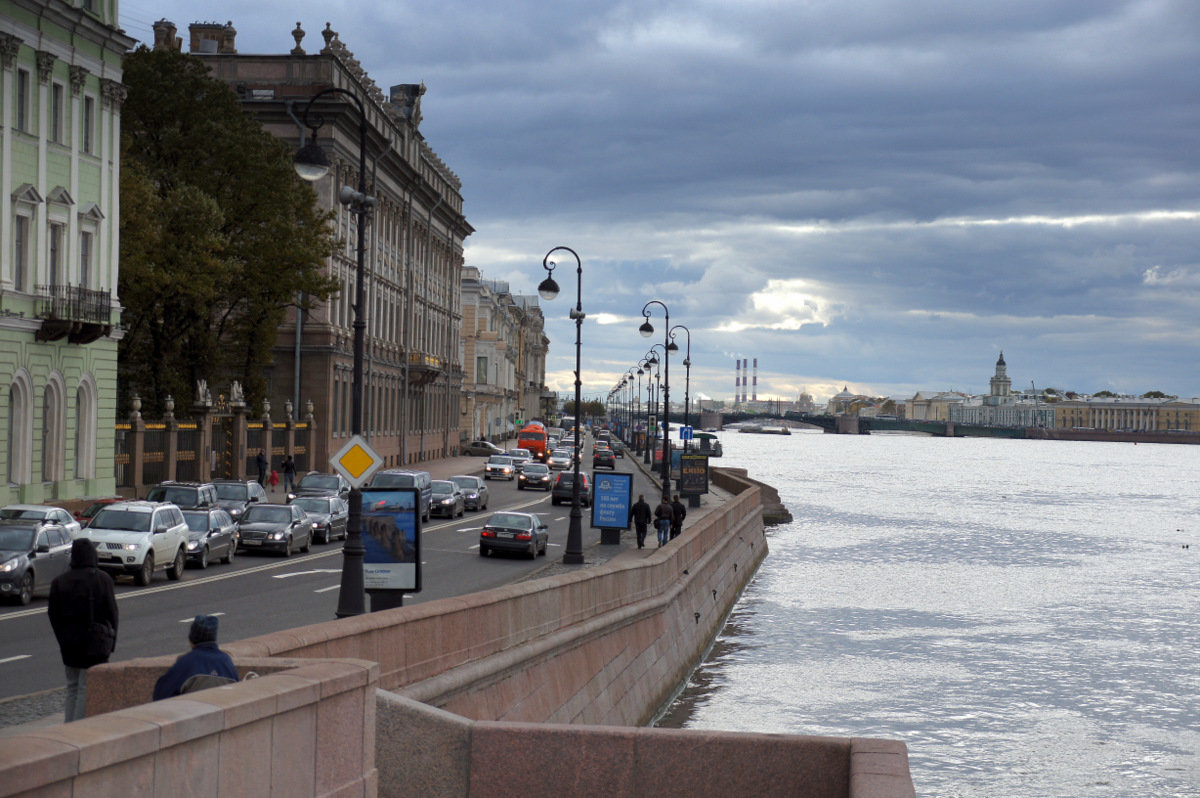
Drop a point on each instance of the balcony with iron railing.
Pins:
(79, 314)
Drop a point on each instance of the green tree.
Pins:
(1104, 393)
(1156, 395)
(218, 235)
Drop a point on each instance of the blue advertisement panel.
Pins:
(612, 499)
(391, 539)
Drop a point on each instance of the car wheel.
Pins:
(307, 547)
(230, 553)
(462, 511)
(287, 549)
(144, 576)
(175, 572)
(202, 563)
(483, 550)
(534, 549)
(25, 594)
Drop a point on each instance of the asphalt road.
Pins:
(257, 594)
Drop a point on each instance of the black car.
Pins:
(317, 483)
(603, 457)
(474, 490)
(520, 532)
(329, 515)
(275, 527)
(185, 495)
(211, 533)
(561, 492)
(235, 495)
(31, 555)
(534, 475)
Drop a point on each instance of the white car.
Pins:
(500, 466)
(140, 538)
(45, 513)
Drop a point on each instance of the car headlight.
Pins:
(192, 545)
(10, 565)
(278, 535)
(132, 546)
(447, 501)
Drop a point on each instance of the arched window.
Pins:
(53, 428)
(20, 429)
(85, 429)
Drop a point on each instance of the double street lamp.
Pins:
(311, 164)
(548, 290)
(687, 378)
(647, 329)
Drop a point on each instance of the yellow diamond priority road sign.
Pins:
(356, 461)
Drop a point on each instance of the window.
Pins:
(89, 124)
(56, 253)
(20, 252)
(481, 368)
(22, 120)
(56, 113)
(85, 259)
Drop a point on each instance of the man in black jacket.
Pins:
(678, 513)
(641, 514)
(82, 602)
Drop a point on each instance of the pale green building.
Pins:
(60, 126)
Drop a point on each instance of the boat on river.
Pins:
(707, 443)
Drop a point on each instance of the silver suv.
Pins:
(140, 538)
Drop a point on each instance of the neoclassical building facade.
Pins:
(60, 132)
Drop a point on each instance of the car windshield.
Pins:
(499, 459)
(537, 469)
(122, 521)
(27, 514)
(442, 487)
(173, 495)
(318, 482)
(393, 481)
(269, 515)
(17, 539)
(560, 453)
(466, 483)
(510, 521)
(320, 506)
(518, 453)
(94, 508)
(232, 492)
(197, 522)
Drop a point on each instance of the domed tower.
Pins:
(1001, 389)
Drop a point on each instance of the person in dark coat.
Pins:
(81, 602)
(662, 519)
(289, 473)
(641, 514)
(678, 513)
(204, 659)
(261, 462)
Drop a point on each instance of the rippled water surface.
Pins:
(1024, 615)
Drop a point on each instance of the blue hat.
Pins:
(204, 629)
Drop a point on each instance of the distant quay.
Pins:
(857, 425)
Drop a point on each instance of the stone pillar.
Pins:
(202, 412)
(318, 446)
(137, 448)
(289, 436)
(171, 445)
(239, 439)
(268, 441)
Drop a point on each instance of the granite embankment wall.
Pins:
(530, 689)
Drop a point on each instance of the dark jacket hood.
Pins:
(83, 554)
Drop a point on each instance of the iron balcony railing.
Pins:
(74, 303)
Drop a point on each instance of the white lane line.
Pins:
(305, 573)
(189, 620)
(14, 659)
(327, 589)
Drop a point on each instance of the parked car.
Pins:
(185, 495)
(559, 458)
(500, 466)
(403, 478)
(603, 457)
(139, 538)
(275, 527)
(561, 492)
(32, 553)
(43, 513)
(534, 475)
(447, 499)
(511, 531)
(85, 516)
(481, 449)
(330, 516)
(474, 490)
(318, 483)
(211, 533)
(235, 495)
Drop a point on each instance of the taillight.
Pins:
(487, 533)
(524, 536)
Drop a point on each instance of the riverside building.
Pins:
(60, 138)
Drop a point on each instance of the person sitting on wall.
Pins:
(205, 665)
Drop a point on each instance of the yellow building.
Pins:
(1128, 413)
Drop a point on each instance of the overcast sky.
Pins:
(881, 194)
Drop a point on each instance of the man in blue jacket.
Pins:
(204, 659)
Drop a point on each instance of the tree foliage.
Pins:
(218, 234)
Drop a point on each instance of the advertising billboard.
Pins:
(693, 474)
(612, 498)
(391, 539)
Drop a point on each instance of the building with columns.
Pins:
(60, 139)
(1129, 413)
(413, 376)
(1000, 407)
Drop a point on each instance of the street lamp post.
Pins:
(548, 290)
(639, 440)
(647, 330)
(687, 377)
(649, 361)
(311, 164)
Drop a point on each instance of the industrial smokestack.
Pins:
(755, 379)
(737, 379)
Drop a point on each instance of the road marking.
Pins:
(189, 620)
(305, 573)
(326, 589)
(14, 659)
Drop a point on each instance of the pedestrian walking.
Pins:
(641, 514)
(289, 473)
(678, 513)
(261, 462)
(662, 519)
(204, 659)
(83, 614)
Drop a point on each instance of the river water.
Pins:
(1024, 615)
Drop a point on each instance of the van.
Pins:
(402, 478)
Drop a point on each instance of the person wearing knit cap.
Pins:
(205, 659)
